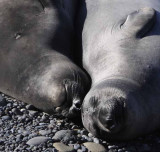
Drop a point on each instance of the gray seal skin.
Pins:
(36, 55)
(121, 52)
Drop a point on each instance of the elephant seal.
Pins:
(121, 52)
(36, 55)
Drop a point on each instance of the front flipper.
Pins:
(139, 22)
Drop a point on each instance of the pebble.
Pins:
(96, 140)
(63, 148)
(114, 150)
(74, 127)
(121, 150)
(90, 135)
(83, 148)
(93, 147)
(21, 123)
(3, 101)
(37, 140)
(32, 112)
(30, 107)
(58, 109)
(16, 111)
(112, 147)
(1, 142)
(64, 135)
(6, 118)
(84, 132)
(44, 132)
(52, 122)
(19, 138)
(76, 146)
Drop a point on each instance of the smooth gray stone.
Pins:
(65, 135)
(93, 147)
(44, 132)
(63, 148)
(37, 140)
(6, 118)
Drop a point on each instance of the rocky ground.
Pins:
(25, 129)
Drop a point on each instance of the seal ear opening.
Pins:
(138, 23)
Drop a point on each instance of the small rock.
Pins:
(51, 126)
(37, 140)
(22, 110)
(6, 118)
(16, 111)
(63, 148)
(44, 132)
(77, 146)
(91, 140)
(9, 104)
(84, 132)
(32, 112)
(74, 127)
(52, 122)
(43, 124)
(3, 101)
(83, 148)
(93, 147)
(30, 107)
(90, 135)
(112, 147)
(96, 140)
(1, 142)
(58, 109)
(65, 135)
(25, 133)
(59, 124)
(19, 138)
(121, 150)
(114, 150)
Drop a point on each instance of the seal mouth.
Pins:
(72, 106)
(75, 109)
(111, 116)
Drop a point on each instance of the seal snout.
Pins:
(73, 97)
(111, 116)
(75, 108)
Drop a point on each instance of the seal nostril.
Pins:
(111, 117)
(77, 103)
(110, 124)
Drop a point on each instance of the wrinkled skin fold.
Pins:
(36, 55)
(121, 52)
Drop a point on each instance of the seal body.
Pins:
(36, 55)
(121, 52)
